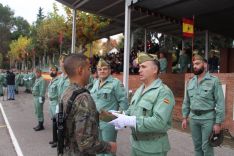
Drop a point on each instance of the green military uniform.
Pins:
(31, 79)
(111, 95)
(183, 63)
(53, 95)
(1, 83)
(38, 91)
(17, 82)
(92, 80)
(63, 83)
(163, 65)
(153, 111)
(204, 104)
(26, 82)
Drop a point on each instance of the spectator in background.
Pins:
(213, 62)
(183, 62)
(163, 62)
(10, 85)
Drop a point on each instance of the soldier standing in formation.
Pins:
(204, 104)
(53, 102)
(1, 83)
(150, 112)
(38, 92)
(108, 94)
(81, 125)
(63, 79)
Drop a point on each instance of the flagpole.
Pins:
(193, 35)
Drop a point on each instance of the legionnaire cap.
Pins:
(143, 57)
(198, 57)
(54, 67)
(216, 139)
(38, 70)
(102, 63)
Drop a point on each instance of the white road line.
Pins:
(13, 138)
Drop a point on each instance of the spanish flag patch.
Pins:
(166, 101)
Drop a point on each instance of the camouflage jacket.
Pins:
(81, 125)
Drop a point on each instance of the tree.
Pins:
(6, 16)
(19, 51)
(87, 26)
(20, 27)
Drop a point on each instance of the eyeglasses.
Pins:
(102, 69)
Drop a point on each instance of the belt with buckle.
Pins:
(201, 112)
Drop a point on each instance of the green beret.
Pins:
(143, 57)
(102, 63)
(198, 57)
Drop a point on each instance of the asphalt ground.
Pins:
(20, 114)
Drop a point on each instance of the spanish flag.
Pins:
(188, 27)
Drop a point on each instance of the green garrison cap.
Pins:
(102, 63)
(143, 57)
(198, 57)
(38, 70)
(54, 67)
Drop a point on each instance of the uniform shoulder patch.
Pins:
(166, 101)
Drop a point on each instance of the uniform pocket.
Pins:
(146, 108)
(206, 92)
(106, 94)
(191, 91)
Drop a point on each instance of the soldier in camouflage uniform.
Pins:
(204, 104)
(150, 112)
(38, 92)
(108, 94)
(81, 125)
(53, 102)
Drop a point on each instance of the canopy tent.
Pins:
(163, 16)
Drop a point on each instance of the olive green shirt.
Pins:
(205, 95)
(153, 110)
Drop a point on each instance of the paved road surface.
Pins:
(20, 114)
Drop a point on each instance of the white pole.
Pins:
(145, 42)
(126, 43)
(73, 47)
(207, 45)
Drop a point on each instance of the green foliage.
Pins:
(21, 27)
(6, 15)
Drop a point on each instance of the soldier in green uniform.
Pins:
(204, 104)
(1, 82)
(53, 102)
(163, 62)
(17, 81)
(108, 94)
(150, 112)
(63, 79)
(81, 125)
(183, 62)
(38, 92)
(31, 79)
(26, 82)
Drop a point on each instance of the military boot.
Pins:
(36, 127)
(55, 137)
(41, 127)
